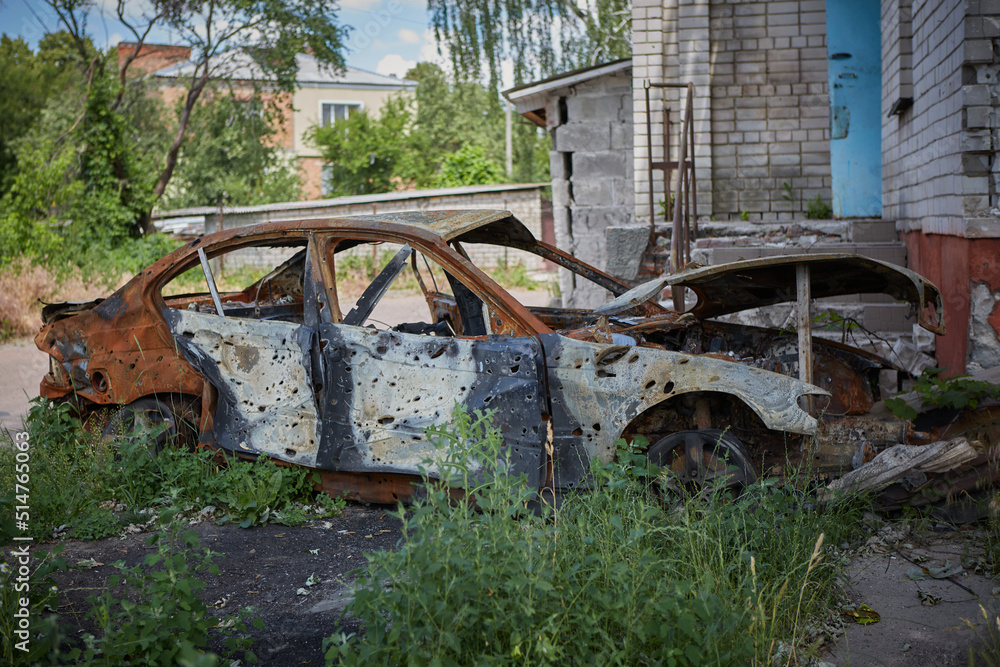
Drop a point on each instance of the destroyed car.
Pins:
(295, 368)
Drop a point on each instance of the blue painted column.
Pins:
(854, 49)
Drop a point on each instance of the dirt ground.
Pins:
(263, 567)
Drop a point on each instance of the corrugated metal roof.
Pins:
(239, 65)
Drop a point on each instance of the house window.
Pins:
(331, 112)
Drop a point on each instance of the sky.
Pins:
(388, 36)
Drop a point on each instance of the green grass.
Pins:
(76, 480)
(611, 577)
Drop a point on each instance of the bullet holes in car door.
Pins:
(254, 345)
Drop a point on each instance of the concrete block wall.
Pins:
(761, 108)
(980, 139)
(592, 174)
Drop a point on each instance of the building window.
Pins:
(331, 112)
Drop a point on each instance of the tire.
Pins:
(133, 422)
(698, 462)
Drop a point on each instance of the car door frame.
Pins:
(370, 431)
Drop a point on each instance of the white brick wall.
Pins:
(939, 156)
(761, 108)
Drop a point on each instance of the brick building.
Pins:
(887, 112)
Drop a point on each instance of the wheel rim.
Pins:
(134, 423)
(702, 463)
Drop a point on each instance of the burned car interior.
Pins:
(300, 365)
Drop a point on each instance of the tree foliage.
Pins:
(539, 37)
(27, 80)
(368, 154)
(450, 133)
(272, 31)
(231, 156)
(84, 175)
(469, 166)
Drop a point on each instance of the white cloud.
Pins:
(429, 50)
(394, 64)
(408, 36)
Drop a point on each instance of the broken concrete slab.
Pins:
(625, 247)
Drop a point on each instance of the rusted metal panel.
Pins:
(113, 354)
(263, 373)
(597, 390)
(384, 388)
(738, 286)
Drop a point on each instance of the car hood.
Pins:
(738, 286)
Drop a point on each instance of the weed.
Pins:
(789, 195)
(953, 393)
(667, 209)
(818, 209)
(608, 578)
(85, 477)
(513, 276)
(744, 215)
(987, 650)
(832, 321)
(252, 492)
(65, 461)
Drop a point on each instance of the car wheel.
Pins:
(702, 463)
(149, 422)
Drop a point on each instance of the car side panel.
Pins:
(597, 389)
(263, 373)
(384, 388)
(114, 354)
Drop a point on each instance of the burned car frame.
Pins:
(280, 369)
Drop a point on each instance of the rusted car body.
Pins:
(286, 369)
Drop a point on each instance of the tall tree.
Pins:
(539, 37)
(368, 154)
(233, 157)
(272, 31)
(27, 80)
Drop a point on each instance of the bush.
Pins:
(469, 165)
(609, 578)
